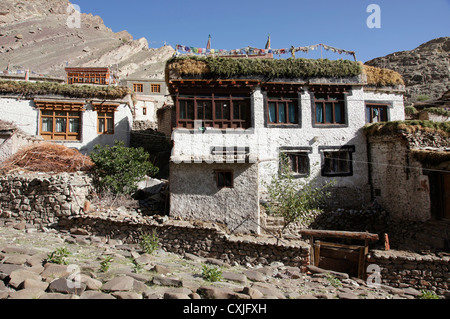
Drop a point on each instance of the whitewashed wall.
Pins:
(264, 143)
(26, 116)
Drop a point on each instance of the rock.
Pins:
(17, 277)
(7, 269)
(175, 295)
(234, 277)
(166, 281)
(91, 283)
(315, 269)
(33, 283)
(216, 293)
(55, 295)
(254, 275)
(194, 258)
(66, 286)
(121, 283)
(52, 271)
(16, 259)
(268, 290)
(411, 291)
(91, 294)
(31, 293)
(217, 262)
(127, 295)
(144, 259)
(160, 269)
(346, 295)
(253, 293)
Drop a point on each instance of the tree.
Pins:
(295, 200)
(118, 168)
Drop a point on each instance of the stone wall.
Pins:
(42, 199)
(194, 194)
(398, 182)
(199, 238)
(428, 272)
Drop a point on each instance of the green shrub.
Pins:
(211, 273)
(105, 264)
(118, 168)
(426, 294)
(58, 256)
(149, 242)
(294, 200)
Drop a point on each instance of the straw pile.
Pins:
(382, 77)
(48, 157)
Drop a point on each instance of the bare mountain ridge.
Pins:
(36, 35)
(425, 69)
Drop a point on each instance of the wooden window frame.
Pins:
(381, 108)
(279, 99)
(105, 112)
(138, 87)
(332, 99)
(228, 175)
(107, 117)
(71, 110)
(333, 157)
(217, 102)
(155, 88)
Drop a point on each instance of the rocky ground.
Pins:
(98, 268)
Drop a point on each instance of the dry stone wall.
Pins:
(199, 238)
(42, 199)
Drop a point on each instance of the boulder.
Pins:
(121, 283)
(66, 286)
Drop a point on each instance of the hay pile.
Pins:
(382, 77)
(48, 157)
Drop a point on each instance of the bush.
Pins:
(118, 168)
(211, 273)
(293, 200)
(149, 242)
(58, 256)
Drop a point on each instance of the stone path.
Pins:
(128, 273)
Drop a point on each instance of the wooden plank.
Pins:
(339, 234)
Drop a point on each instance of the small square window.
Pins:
(138, 87)
(298, 163)
(155, 88)
(337, 163)
(224, 179)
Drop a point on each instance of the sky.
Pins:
(399, 24)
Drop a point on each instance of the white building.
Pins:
(79, 123)
(230, 132)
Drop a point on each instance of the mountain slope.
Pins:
(35, 35)
(425, 69)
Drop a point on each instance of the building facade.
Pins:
(73, 122)
(228, 130)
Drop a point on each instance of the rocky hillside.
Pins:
(36, 35)
(425, 70)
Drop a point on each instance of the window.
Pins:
(105, 122)
(282, 110)
(224, 179)
(329, 109)
(337, 162)
(376, 113)
(138, 87)
(144, 111)
(213, 110)
(155, 88)
(299, 163)
(60, 125)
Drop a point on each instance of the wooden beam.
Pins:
(339, 234)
